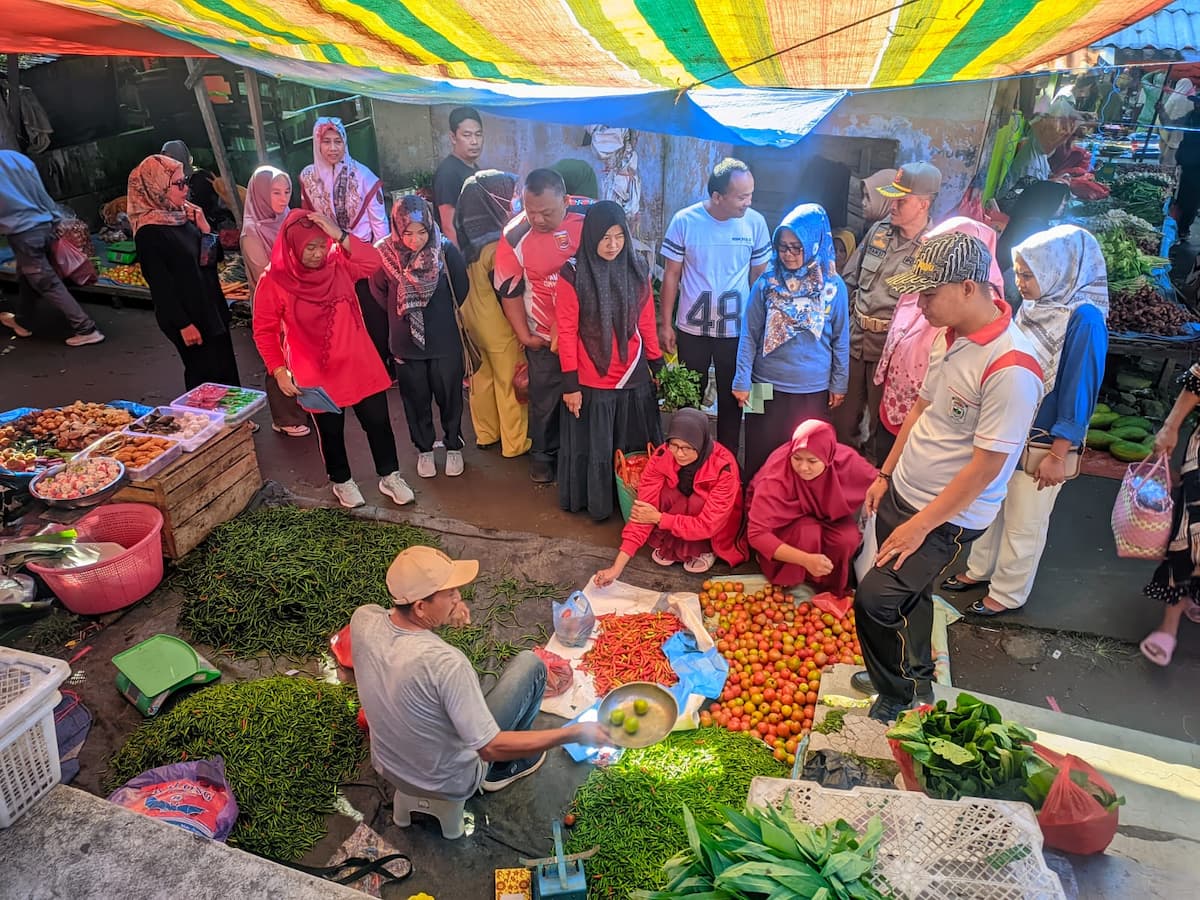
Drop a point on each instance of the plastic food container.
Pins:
(238, 405)
(152, 468)
(122, 253)
(29, 765)
(216, 421)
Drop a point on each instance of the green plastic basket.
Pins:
(625, 496)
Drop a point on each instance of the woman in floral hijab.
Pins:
(422, 280)
(795, 336)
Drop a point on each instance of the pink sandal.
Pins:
(661, 560)
(1158, 647)
(1192, 611)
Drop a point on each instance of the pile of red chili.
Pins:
(629, 648)
(629, 468)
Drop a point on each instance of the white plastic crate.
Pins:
(28, 743)
(970, 849)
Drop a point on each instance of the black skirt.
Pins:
(623, 419)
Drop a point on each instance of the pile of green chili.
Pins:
(287, 744)
(280, 580)
(633, 809)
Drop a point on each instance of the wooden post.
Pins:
(14, 97)
(214, 137)
(256, 115)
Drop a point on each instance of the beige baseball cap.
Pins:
(420, 572)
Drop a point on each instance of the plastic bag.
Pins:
(1141, 516)
(559, 676)
(521, 382)
(1071, 818)
(192, 795)
(70, 264)
(866, 556)
(574, 620)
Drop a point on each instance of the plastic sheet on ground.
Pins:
(944, 615)
(620, 599)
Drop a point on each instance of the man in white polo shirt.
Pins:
(944, 480)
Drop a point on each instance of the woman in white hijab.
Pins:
(1176, 107)
(1064, 284)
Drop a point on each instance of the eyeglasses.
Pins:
(181, 183)
(791, 248)
(680, 447)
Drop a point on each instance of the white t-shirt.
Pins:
(423, 702)
(717, 257)
(984, 392)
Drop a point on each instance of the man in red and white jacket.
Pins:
(943, 482)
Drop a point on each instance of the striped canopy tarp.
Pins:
(646, 56)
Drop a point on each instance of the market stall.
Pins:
(193, 460)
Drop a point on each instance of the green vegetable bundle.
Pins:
(762, 854)
(631, 809)
(1142, 194)
(281, 580)
(967, 751)
(678, 388)
(287, 743)
(1124, 260)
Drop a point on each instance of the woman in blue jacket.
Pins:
(1064, 285)
(795, 335)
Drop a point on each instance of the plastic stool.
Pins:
(449, 813)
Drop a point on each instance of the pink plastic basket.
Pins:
(118, 582)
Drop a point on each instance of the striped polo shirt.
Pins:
(983, 393)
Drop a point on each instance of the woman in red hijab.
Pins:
(804, 504)
(309, 331)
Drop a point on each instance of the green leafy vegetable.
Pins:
(678, 388)
(967, 751)
(763, 854)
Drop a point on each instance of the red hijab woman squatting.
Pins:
(310, 333)
(803, 509)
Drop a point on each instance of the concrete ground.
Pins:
(1072, 660)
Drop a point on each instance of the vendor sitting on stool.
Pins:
(432, 728)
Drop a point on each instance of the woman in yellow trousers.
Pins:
(484, 208)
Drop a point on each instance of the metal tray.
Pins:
(655, 725)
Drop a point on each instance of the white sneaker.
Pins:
(454, 463)
(348, 494)
(426, 466)
(396, 488)
(9, 320)
(82, 340)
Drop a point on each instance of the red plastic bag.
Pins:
(70, 264)
(835, 606)
(521, 382)
(558, 672)
(1072, 819)
(339, 646)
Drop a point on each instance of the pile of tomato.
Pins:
(776, 650)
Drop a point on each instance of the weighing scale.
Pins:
(150, 672)
(560, 875)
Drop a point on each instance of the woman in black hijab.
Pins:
(689, 503)
(1031, 212)
(608, 347)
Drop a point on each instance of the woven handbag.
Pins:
(1141, 517)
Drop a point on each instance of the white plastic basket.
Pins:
(970, 849)
(28, 743)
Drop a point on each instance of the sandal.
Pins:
(1158, 647)
(1192, 611)
(292, 430)
(958, 585)
(979, 608)
(698, 565)
(661, 560)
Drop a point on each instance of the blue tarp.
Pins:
(758, 116)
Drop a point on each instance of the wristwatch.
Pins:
(345, 234)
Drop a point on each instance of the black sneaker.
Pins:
(887, 709)
(541, 472)
(501, 775)
(862, 683)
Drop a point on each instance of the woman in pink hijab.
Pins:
(912, 342)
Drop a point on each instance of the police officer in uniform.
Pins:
(888, 248)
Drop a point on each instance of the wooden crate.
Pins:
(200, 490)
